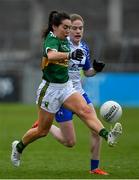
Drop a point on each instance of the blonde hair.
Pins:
(75, 17)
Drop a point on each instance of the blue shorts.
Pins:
(64, 114)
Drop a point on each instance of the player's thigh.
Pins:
(45, 120)
(76, 103)
(63, 115)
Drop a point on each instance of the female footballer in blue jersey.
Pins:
(56, 88)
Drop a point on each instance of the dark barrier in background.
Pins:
(9, 88)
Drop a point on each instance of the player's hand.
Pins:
(77, 55)
(98, 65)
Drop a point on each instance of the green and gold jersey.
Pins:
(55, 71)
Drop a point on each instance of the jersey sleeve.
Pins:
(87, 64)
(51, 43)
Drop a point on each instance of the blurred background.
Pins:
(111, 30)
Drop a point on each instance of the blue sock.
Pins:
(94, 164)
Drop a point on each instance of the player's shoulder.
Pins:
(84, 45)
(51, 36)
(50, 39)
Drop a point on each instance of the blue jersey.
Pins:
(76, 66)
(74, 74)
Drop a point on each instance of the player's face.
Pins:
(76, 32)
(63, 30)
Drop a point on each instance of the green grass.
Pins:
(47, 159)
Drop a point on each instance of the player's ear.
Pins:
(54, 27)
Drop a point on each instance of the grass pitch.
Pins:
(47, 159)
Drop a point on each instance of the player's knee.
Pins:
(42, 133)
(70, 143)
(85, 111)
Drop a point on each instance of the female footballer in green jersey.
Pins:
(65, 134)
(56, 89)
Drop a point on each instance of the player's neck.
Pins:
(75, 43)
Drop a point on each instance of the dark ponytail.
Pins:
(49, 28)
(55, 18)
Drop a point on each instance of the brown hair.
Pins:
(55, 18)
(75, 17)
